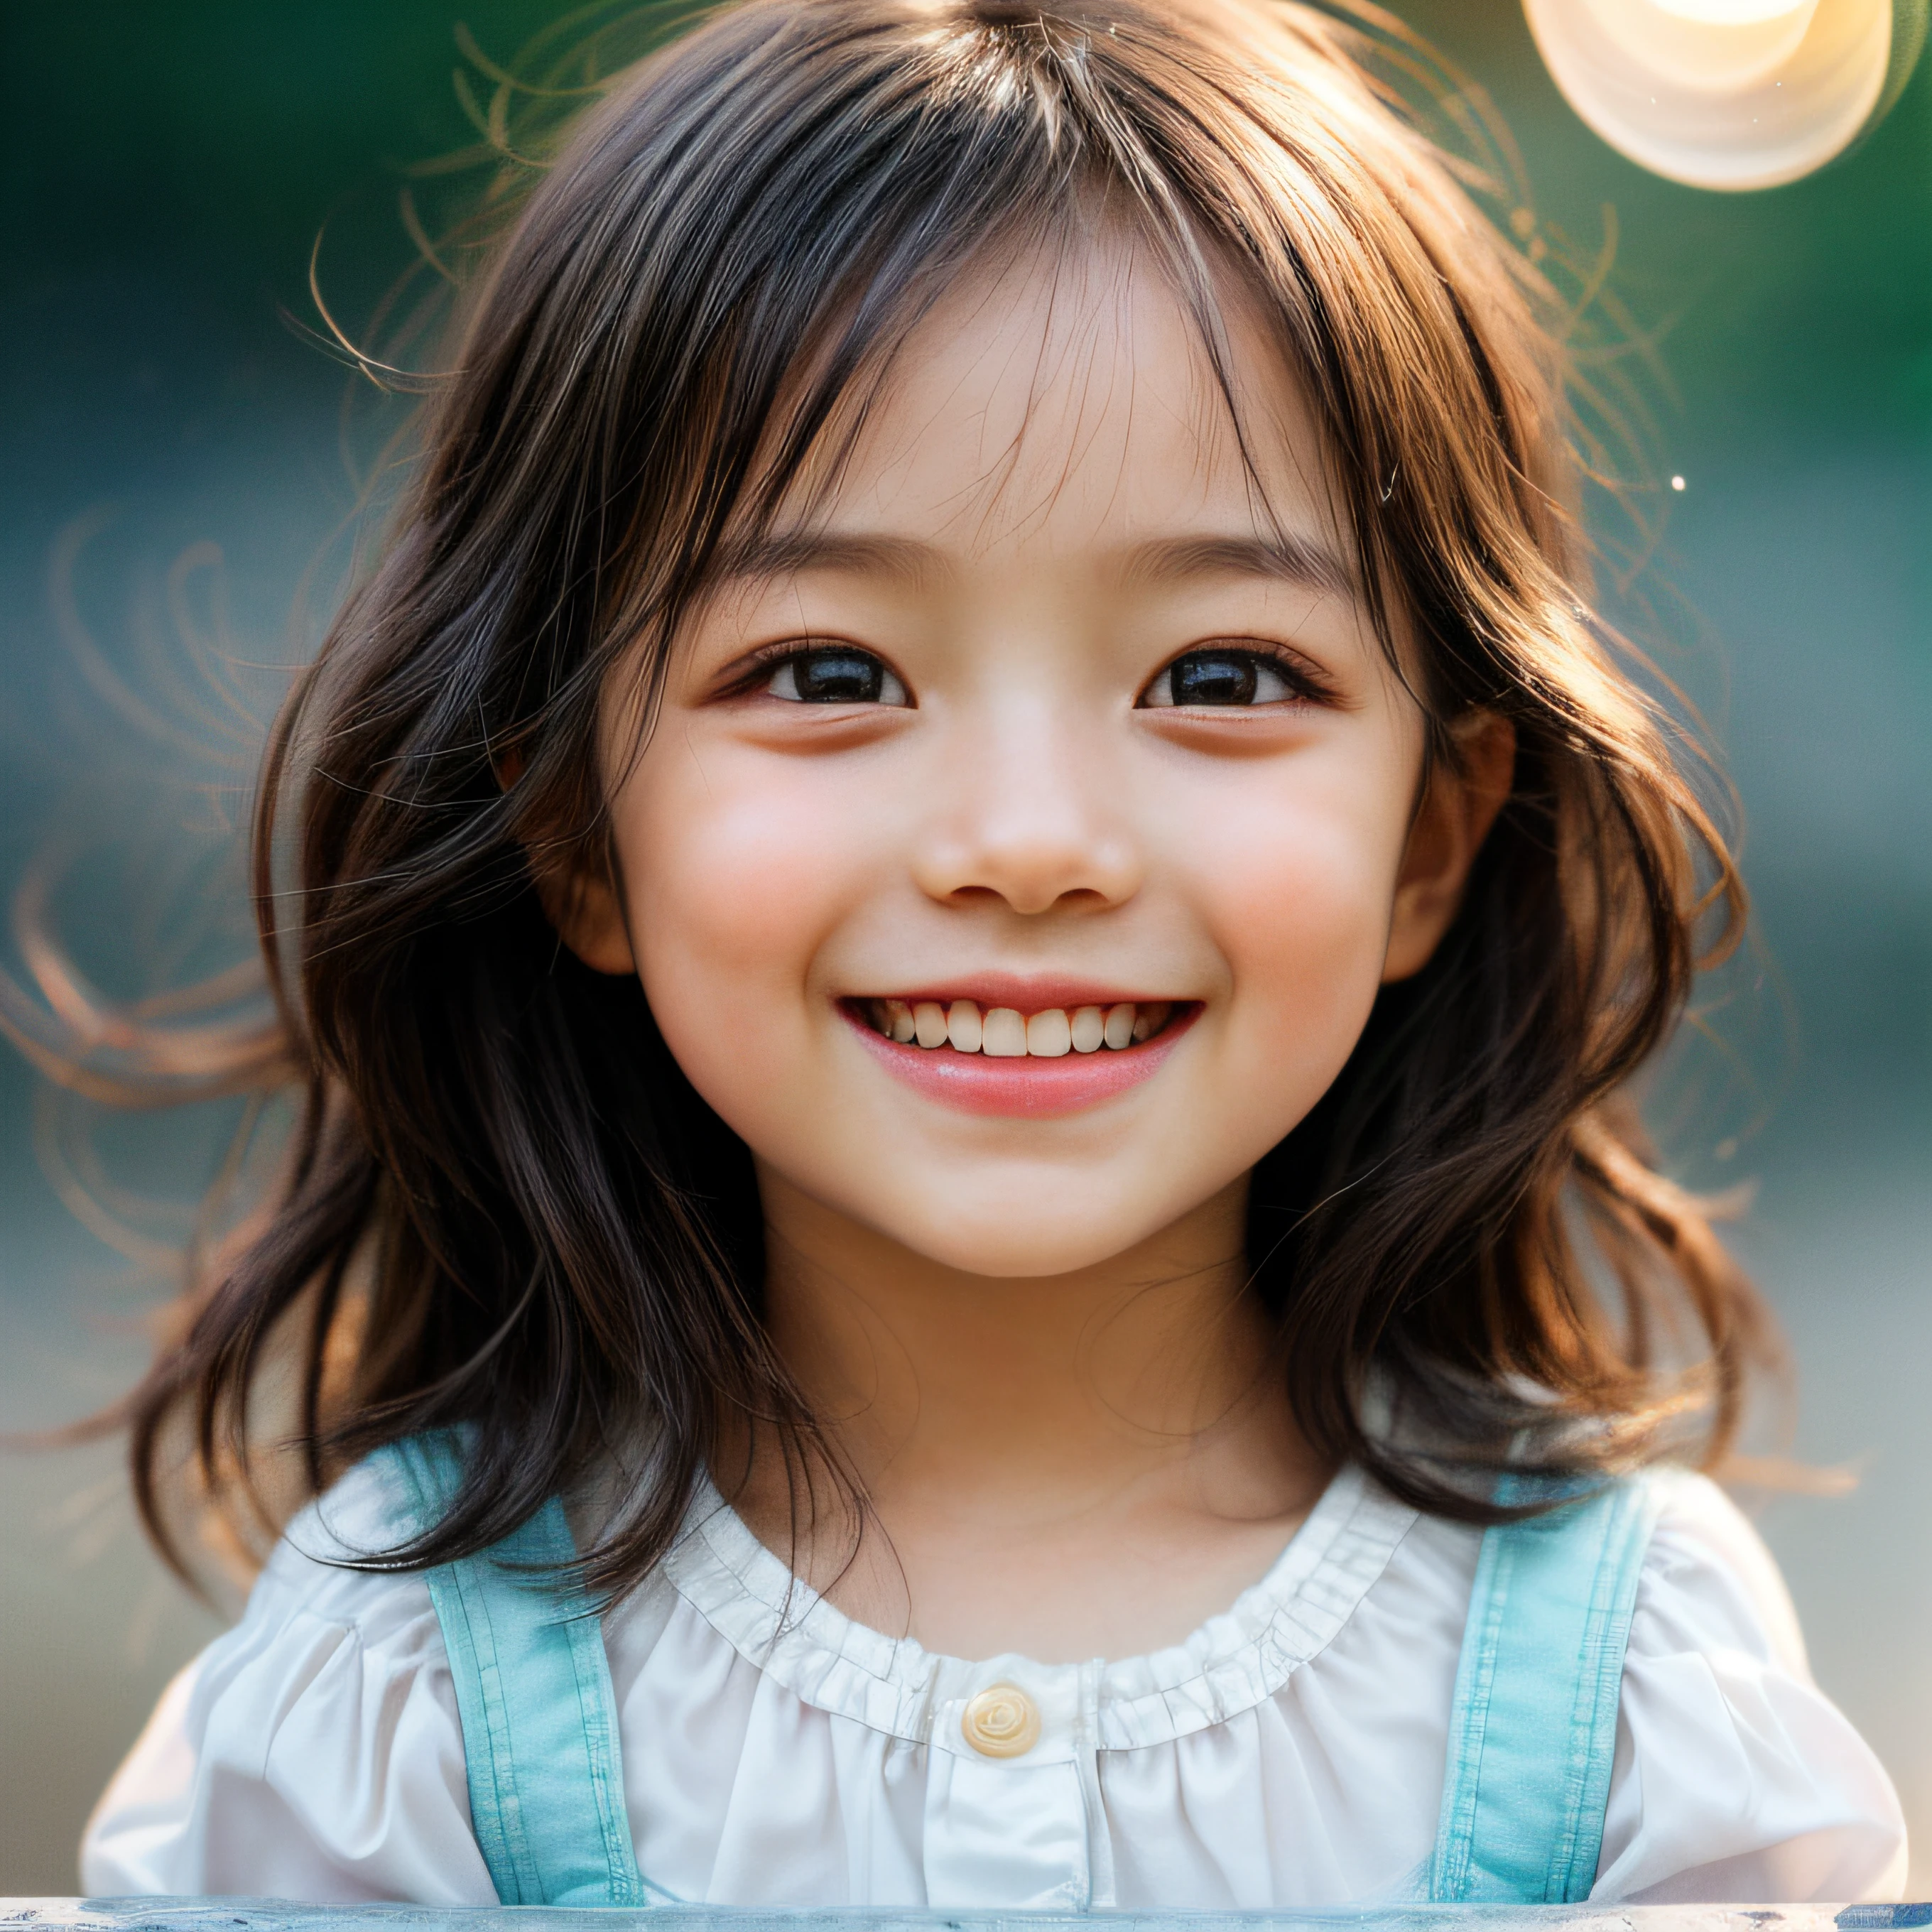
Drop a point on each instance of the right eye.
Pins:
(836, 674)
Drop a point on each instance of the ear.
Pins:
(1457, 809)
(583, 903)
(579, 895)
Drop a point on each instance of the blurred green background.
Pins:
(168, 165)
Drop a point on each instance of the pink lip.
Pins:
(1031, 1088)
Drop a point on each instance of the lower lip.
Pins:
(1024, 1087)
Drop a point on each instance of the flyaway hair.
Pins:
(504, 1207)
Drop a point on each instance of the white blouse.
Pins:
(1290, 1753)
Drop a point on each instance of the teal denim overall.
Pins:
(1532, 1732)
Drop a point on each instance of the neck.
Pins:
(1142, 1379)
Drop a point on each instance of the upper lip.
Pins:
(1026, 993)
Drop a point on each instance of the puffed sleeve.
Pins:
(313, 1752)
(1735, 1777)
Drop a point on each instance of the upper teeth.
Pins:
(1005, 1033)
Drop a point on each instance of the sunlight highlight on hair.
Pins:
(501, 1204)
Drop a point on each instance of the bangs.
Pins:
(822, 176)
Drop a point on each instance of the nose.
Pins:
(1028, 808)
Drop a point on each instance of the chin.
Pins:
(1013, 1246)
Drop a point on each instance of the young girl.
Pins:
(974, 903)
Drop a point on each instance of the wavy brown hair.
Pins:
(504, 1207)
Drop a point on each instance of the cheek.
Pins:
(733, 873)
(1297, 890)
(736, 869)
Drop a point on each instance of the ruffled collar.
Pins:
(1233, 1662)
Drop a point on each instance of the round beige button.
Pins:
(1002, 1721)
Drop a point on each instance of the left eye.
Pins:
(836, 674)
(1221, 678)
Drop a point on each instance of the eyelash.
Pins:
(765, 663)
(1304, 684)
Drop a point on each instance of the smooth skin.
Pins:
(1030, 1338)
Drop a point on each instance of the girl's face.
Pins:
(1037, 710)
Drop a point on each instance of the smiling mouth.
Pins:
(1005, 1033)
(1008, 1052)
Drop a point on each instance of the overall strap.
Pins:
(1533, 1731)
(533, 1691)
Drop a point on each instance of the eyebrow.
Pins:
(771, 553)
(1288, 558)
(1285, 558)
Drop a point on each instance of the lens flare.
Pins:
(1728, 94)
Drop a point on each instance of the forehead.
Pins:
(1064, 399)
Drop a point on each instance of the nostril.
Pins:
(1082, 899)
(1031, 874)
